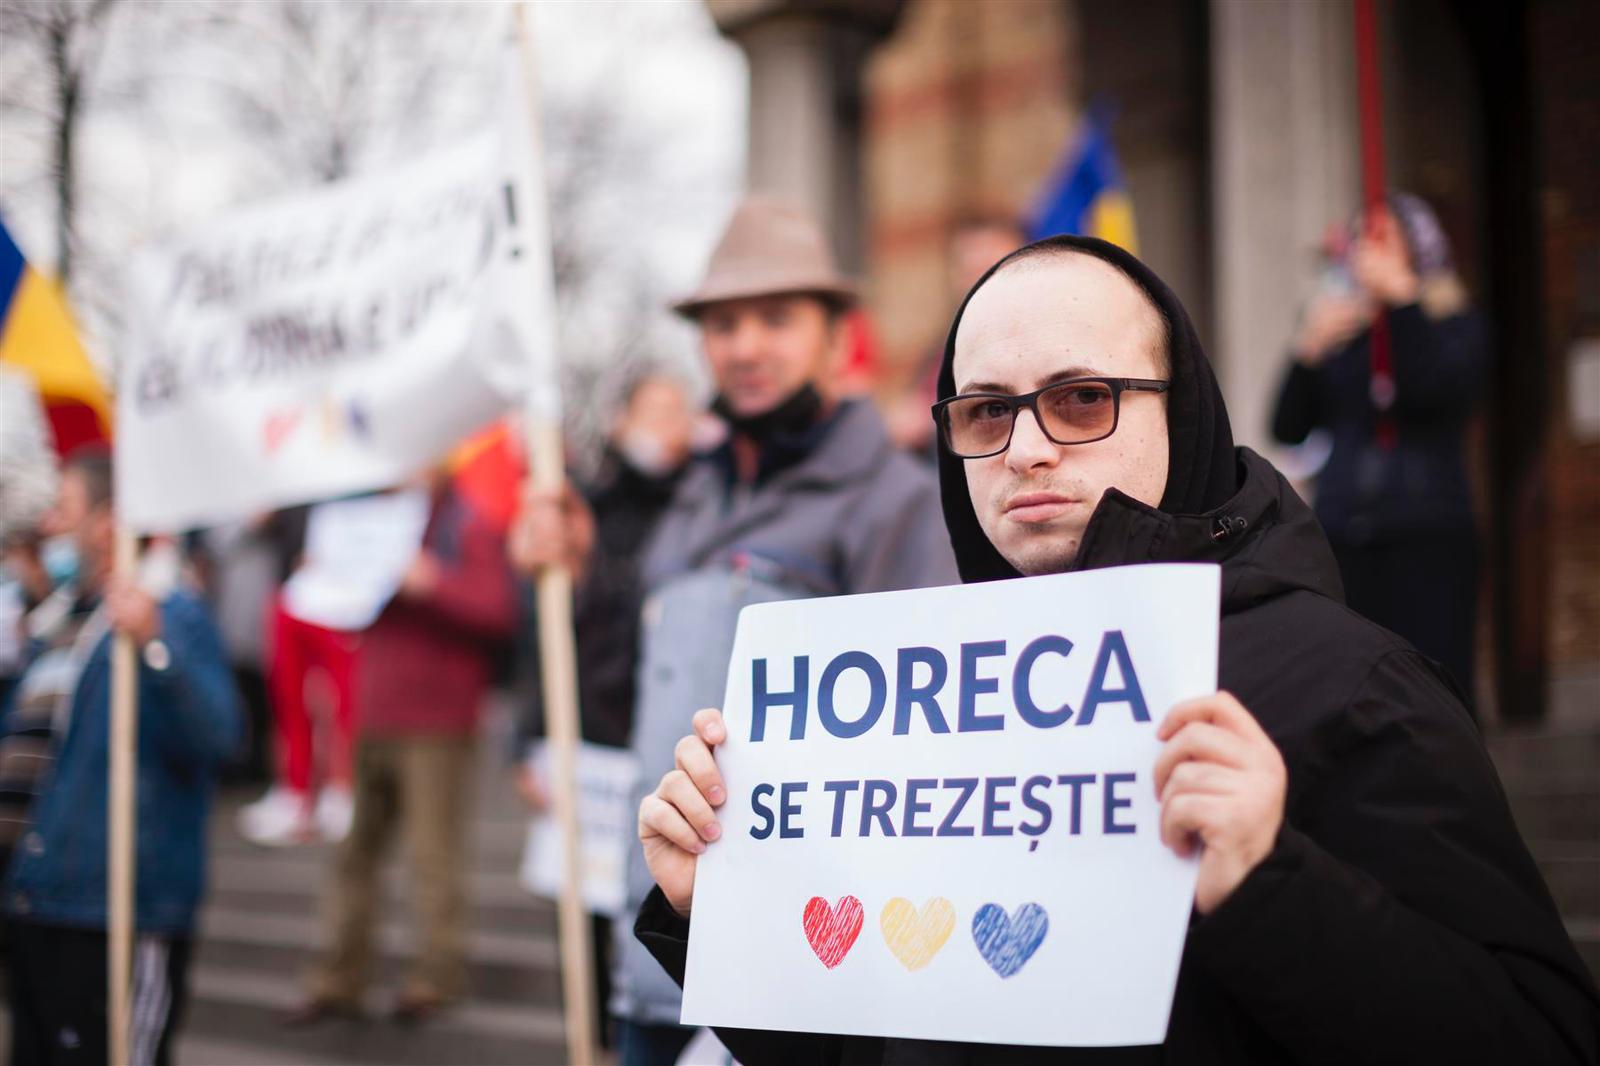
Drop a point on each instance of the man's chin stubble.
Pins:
(1044, 559)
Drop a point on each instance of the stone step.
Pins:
(242, 1007)
(1585, 933)
(301, 877)
(494, 843)
(1544, 758)
(503, 964)
(1558, 813)
(526, 916)
(1572, 871)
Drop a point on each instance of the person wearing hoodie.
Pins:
(1363, 894)
(807, 497)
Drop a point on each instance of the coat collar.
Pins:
(1264, 537)
(854, 448)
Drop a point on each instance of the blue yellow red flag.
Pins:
(38, 337)
(1087, 195)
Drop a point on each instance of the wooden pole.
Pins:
(120, 813)
(557, 647)
(558, 661)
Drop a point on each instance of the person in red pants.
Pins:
(311, 667)
(294, 810)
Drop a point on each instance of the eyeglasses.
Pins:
(1075, 411)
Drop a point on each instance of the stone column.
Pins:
(805, 102)
(1285, 163)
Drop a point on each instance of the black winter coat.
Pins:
(1367, 493)
(1399, 917)
(627, 504)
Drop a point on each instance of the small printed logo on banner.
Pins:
(832, 931)
(915, 937)
(359, 424)
(278, 428)
(1006, 943)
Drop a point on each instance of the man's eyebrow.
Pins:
(1048, 379)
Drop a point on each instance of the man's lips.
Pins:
(1037, 506)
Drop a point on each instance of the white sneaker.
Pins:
(336, 807)
(281, 817)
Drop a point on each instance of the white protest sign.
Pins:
(941, 822)
(334, 341)
(357, 552)
(606, 779)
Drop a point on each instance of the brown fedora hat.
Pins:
(768, 249)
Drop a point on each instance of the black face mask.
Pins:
(791, 417)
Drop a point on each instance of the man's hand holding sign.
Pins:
(677, 820)
(1221, 781)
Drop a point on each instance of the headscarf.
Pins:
(1201, 469)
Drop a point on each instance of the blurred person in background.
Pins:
(55, 893)
(644, 459)
(306, 802)
(27, 489)
(807, 497)
(245, 563)
(1399, 511)
(977, 243)
(28, 483)
(427, 663)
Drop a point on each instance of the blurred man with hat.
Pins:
(807, 496)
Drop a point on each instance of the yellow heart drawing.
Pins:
(916, 938)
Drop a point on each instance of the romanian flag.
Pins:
(1087, 195)
(488, 469)
(37, 337)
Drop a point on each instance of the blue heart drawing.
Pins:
(1006, 943)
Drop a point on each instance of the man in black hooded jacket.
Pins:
(1363, 894)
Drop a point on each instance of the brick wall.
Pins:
(1569, 103)
(968, 107)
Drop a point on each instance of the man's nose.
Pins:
(1030, 448)
(748, 339)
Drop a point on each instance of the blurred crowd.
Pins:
(348, 676)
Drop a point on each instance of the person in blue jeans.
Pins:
(189, 722)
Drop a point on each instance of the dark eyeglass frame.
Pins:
(1030, 400)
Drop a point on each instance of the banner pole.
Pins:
(121, 810)
(557, 645)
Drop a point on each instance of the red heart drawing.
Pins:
(832, 930)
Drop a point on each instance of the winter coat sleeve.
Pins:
(1438, 363)
(190, 709)
(1402, 919)
(475, 594)
(1302, 403)
(901, 541)
(666, 936)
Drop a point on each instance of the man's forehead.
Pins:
(1039, 316)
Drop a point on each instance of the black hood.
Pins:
(1201, 469)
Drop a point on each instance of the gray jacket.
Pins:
(854, 515)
